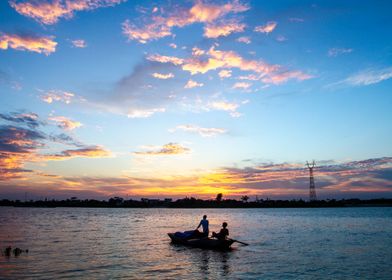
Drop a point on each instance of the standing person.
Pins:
(204, 224)
(224, 232)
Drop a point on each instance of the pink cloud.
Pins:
(43, 45)
(160, 26)
(49, 12)
(267, 28)
(223, 29)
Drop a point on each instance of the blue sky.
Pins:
(135, 98)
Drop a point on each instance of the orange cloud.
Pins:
(267, 73)
(43, 45)
(87, 152)
(161, 26)
(167, 149)
(223, 29)
(50, 12)
(267, 28)
(163, 76)
(192, 84)
(65, 123)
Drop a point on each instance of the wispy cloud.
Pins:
(230, 107)
(161, 25)
(79, 43)
(163, 76)
(57, 95)
(245, 40)
(49, 12)
(202, 131)
(144, 113)
(192, 84)
(44, 45)
(86, 152)
(334, 52)
(368, 77)
(167, 149)
(242, 85)
(65, 123)
(266, 28)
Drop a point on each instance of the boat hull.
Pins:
(205, 243)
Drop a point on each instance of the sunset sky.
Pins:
(104, 98)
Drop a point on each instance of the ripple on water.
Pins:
(133, 244)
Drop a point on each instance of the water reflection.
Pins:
(210, 263)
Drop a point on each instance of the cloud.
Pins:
(296, 19)
(368, 77)
(165, 59)
(167, 149)
(230, 107)
(17, 145)
(192, 84)
(242, 85)
(245, 40)
(202, 131)
(334, 52)
(79, 43)
(43, 45)
(29, 119)
(224, 74)
(163, 76)
(140, 113)
(282, 77)
(281, 38)
(161, 25)
(49, 12)
(86, 152)
(172, 45)
(216, 59)
(197, 52)
(22, 141)
(267, 28)
(57, 95)
(65, 123)
(223, 29)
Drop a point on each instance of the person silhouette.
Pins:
(204, 224)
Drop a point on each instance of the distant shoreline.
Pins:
(197, 203)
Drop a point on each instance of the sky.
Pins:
(103, 98)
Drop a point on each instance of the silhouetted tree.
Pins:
(219, 197)
(245, 198)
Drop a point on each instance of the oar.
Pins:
(243, 243)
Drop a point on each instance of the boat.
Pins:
(204, 242)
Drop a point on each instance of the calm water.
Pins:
(351, 243)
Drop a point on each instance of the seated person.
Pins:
(224, 232)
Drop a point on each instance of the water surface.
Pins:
(87, 243)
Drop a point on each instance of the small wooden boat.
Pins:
(205, 242)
